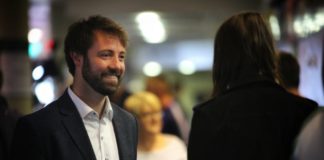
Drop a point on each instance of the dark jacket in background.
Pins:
(57, 133)
(252, 120)
(8, 119)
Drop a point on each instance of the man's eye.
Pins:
(105, 54)
(122, 57)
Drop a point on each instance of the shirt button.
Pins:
(101, 138)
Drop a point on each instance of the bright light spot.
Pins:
(35, 35)
(275, 28)
(309, 25)
(145, 17)
(151, 27)
(319, 19)
(186, 67)
(45, 91)
(298, 28)
(38, 72)
(152, 69)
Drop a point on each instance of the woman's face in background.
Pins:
(150, 120)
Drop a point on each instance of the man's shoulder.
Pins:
(43, 121)
(43, 114)
(52, 109)
(46, 115)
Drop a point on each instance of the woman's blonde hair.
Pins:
(137, 101)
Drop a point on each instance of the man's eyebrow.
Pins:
(105, 50)
(110, 50)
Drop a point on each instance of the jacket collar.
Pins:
(243, 83)
(120, 132)
(73, 124)
(249, 81)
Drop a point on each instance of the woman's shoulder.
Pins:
(176, 146)
(172, 140)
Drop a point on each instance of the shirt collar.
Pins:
(84, 109)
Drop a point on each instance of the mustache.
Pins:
(112, 73)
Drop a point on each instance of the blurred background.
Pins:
(172, 38)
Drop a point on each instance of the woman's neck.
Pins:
(294, 91)
(150, 142)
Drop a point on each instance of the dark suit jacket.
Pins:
(8, 119)
(57, 133)
(253, 120)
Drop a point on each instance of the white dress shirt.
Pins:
(100, 131)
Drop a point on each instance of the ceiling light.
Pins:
(35, 35)
(151, 27)
(186, 67)
(152, 69)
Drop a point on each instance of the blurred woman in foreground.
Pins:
(250, 116)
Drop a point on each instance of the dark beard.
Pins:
(96, 82)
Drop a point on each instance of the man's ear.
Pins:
(76, 58)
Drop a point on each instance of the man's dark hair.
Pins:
(288, 69)
(243, 47)
(81, 33)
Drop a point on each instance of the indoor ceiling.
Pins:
(184, 19)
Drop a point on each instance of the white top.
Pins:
(175, 149)
(100, 131)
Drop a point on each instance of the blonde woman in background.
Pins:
(153, 144)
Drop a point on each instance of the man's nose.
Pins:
(115, 63)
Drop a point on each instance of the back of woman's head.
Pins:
(243, 47)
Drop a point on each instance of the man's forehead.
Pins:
(99, 34)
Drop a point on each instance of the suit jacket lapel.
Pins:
(75, 127)
(120, 131)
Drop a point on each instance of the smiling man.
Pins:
(83, 123)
